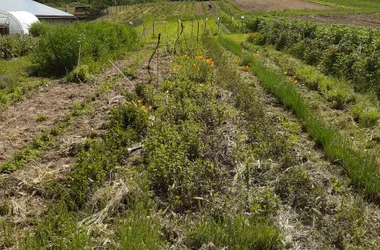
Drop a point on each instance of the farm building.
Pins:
(17, 22)
(41, 11)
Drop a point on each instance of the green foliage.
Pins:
(60, 46)
(81, 74)
(41, 118)
(359, 166)
(38, 29)
(237, 232)
(235, 48)
(346, 52)
(138, 228)
(59, 230)
(256, 38)
(366, 117)
(16, 45)
(126, 126)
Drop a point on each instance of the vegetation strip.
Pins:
(359, 166)
(46, 140)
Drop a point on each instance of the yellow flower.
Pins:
(296, 81)
(199, 69)
(143, 107)
(194, 65)
(285, 73)
(150, 107)
(174, 69)
(294, 77)
(139, 101)
(145, 111)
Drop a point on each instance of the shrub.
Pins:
(59, 48)
(15, 45)
(38, 29)
(256, 38)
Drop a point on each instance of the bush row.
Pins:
(16, 45)
(61, 47)
(352, 53)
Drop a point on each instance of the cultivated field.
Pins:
(192, 129)
(272, 5)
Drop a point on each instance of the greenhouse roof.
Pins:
(37, 9)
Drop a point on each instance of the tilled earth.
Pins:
(272, 5)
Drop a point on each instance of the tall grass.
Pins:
(360, 166)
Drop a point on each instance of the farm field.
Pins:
(272, 5)
(193, 129)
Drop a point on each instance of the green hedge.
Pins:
(59, 47)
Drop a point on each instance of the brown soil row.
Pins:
(19, 124)
(272, 5)
(369, 20)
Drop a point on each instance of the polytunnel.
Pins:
(17, 22)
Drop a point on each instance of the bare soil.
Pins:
(271, 5)
(370, 20)
(200, 11)
(19, 124)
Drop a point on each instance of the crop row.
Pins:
(351, 53)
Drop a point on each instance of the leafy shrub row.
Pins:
(352, 53)
(61, 46)
(16, 45)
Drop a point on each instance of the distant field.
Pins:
(358, 5)
(273, 5)
(369, 20)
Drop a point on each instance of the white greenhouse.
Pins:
(16, 22)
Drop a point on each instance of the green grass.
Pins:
(237, 233)
(359, 166)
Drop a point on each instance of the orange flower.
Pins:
(294, 77)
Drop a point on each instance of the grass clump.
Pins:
(236, 232)
(59, 230)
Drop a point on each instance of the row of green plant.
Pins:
(186, 156)
(62, 48)
(360, 166)
(182, 163)
(16, 45)
(347, 52)
(337, 91)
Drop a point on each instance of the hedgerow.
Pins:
(16, 45)
(62, 47)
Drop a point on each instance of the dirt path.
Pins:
(200, 11)
(23, 121)
(271, 5)
(369, 20)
